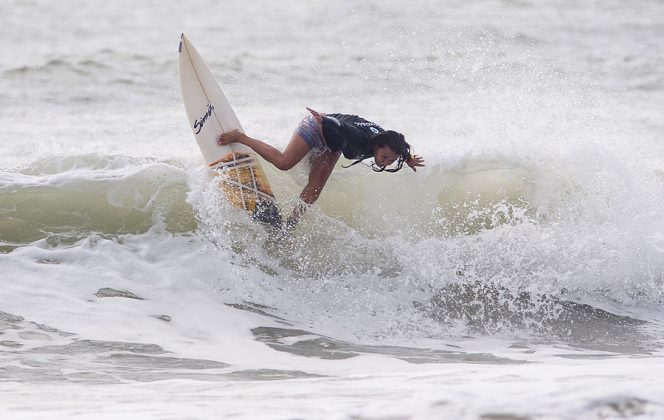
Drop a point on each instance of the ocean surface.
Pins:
(519, 275)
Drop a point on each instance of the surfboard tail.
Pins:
(245, 185)
(267, 212)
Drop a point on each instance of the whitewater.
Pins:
(519, 275)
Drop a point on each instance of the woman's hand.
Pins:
(415, 161)
(229, 137)
(317, 116)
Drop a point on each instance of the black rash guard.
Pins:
(350, 135)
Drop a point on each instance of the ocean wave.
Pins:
(103, 60)
(119, 194)
(71, 198)
(537, 237)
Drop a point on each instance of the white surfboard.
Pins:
(240, 174)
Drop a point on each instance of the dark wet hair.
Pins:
(394, 141)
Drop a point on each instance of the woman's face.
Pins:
(384, 156)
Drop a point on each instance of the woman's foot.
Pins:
(229, 137)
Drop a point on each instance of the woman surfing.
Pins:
(327, 136)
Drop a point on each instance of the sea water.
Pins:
(519, 275)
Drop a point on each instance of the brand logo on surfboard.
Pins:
(199, 123)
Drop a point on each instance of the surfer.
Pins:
(328, 136)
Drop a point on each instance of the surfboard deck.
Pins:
(239, 173)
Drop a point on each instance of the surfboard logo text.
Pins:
(199, 123)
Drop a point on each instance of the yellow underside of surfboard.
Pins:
(243, 181)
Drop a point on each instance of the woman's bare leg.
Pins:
(296, 149)
(321, 168)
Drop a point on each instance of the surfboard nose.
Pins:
(181, 41)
